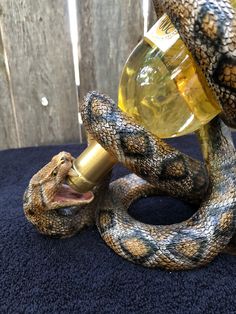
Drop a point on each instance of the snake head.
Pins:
(55, 171)
(48, 187)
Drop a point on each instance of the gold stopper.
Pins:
(90, 167)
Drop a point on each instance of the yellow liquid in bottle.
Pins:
(161, 89)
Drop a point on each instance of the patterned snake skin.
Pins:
(190, 244)
(208, 28)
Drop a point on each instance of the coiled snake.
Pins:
(208, 28)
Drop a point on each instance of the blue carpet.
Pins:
(81, 274)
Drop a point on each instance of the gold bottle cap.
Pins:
(90, 168)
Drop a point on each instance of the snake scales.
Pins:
(208, 29)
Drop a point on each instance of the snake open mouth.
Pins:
(66, 194)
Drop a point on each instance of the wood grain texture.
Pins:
(108, 31)
(37, 43)
(8, 125)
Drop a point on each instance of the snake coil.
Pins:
(209, 30)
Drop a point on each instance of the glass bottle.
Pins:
(162, 88)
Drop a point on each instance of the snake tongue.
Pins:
(66, 193)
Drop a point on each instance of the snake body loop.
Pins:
(186, 245)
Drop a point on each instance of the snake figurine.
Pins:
(208, 29)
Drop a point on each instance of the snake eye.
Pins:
(54, 173)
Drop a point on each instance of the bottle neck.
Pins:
(162, 34)
(90, 168)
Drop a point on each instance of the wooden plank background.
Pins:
(8, 123)
(112, 28)
(39, 101)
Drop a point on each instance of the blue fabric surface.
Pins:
(81, 274)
